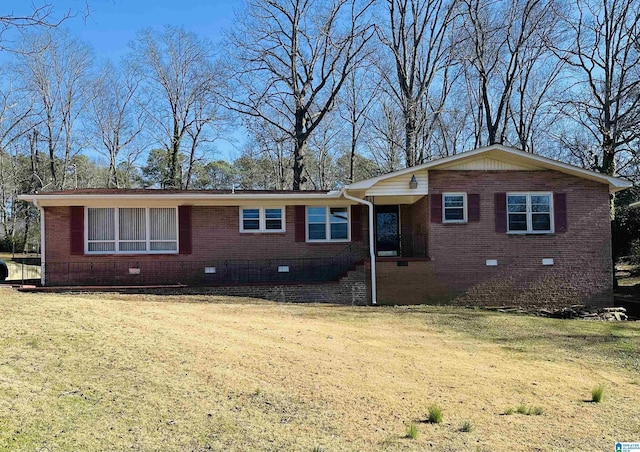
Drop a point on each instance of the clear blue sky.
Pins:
(111, 24)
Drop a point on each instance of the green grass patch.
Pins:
(435, 415)
(466, 427)
(412, 431)
(597, 394)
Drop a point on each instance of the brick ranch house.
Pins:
(490, 226)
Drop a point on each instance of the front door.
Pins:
(387, 231)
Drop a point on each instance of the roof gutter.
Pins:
(372, 253)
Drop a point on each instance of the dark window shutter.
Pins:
(474, 207)
(77, 230)
(435, 201)
(184, 229)
(356, 222)
(501, 212)
(560, 212)
(301, 233)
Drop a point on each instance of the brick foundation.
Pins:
(350, 290)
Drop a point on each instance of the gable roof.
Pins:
(498, 157)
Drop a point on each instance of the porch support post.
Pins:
(42, 242)
(372, 253)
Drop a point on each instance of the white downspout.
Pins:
(42, 242)
(372, 253)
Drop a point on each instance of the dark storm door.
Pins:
(387, 231)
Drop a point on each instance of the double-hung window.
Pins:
(327, 224)
(131, 230)
(454, 207)
(262, 219)
(529, 213)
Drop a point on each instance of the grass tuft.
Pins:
(597, 394)
(526, 410)
(412, 430)
(467, 426)
(435, 414)
(508, 411)
(536, 411)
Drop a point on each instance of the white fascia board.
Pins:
(178, 198)
(615, 183)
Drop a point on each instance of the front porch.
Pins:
(401, 229)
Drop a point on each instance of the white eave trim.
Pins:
(182, 198)
(615, 183)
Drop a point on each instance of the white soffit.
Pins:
(399, 185)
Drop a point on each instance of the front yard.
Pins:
(115, 372)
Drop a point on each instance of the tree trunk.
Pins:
(298, 164)
(352, 155)
(299, 149)
(411, 134)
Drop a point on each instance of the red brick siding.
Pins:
(581, 272)
(420, 216)
(216, 237)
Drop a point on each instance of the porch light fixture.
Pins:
(413, 184)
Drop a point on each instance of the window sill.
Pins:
(282, 232)
(326, 242)
(530, 233)
(155, 253)
(454, 223)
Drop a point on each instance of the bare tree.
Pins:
(385, 137)
(324, 147)
(271, 146)
(417, 37)
(178, 76)
(37, 15)
(205, 113)
(15, 115)
(289, 60)
(604, 98)
(451, 133)
(531, 110)
(500, 40)
(114, 120)
(56, 79)
(354, 105)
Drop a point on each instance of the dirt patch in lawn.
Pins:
(113, 372)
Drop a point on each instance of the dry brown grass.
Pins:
(115, 372)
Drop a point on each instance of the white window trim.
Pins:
(116, 220)
(464, 207)
(262, 217)
(529, 213)
(327, 225)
